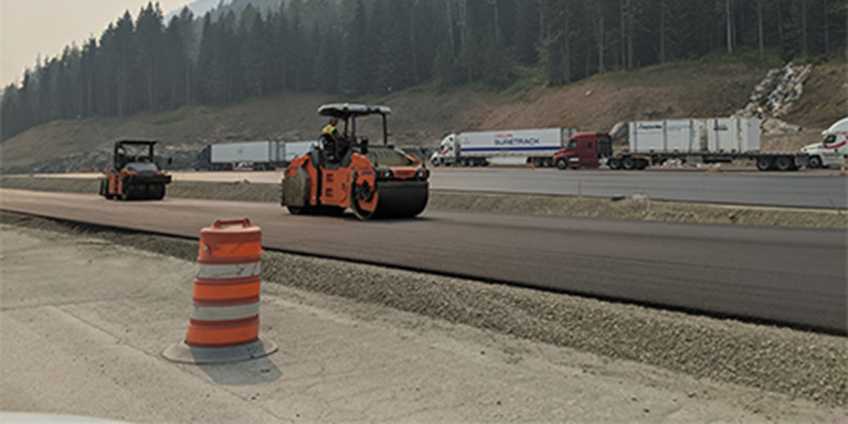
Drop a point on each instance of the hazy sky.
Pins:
(32, 27)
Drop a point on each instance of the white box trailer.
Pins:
(697, 136)
(250, 151)
(680, 136)
(297, 148)
(712, 140)
(479, 148)
(733, 135)
(260, 155)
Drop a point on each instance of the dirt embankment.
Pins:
(824, 102)
(421, 116)
(540, 205)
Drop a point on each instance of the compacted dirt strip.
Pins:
(85, 321)
(795, 363)
(795, 277)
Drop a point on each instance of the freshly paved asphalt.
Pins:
(784, 276)
(806, 189)
(817, 191)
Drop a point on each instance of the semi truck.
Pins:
(258, 155)
(648, 143)
(833, 149)
(536, 146)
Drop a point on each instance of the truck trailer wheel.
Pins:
(815, 162)
(614, 164)
(784, 163)
(629, 164)
(764, 163)
(562, 164)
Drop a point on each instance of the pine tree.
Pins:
(353, 73)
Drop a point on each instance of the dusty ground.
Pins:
(85, 321)
(797, 364)
(566, 206)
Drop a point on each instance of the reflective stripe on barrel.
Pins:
(224, 271)
(229, 282)
(224, 312)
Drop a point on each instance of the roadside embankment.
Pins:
(795, 363)
(637, 208)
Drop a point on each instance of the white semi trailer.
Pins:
(535, 146)
(260, 155)
(649, 143)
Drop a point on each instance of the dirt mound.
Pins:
(825, 98)
(679, 90)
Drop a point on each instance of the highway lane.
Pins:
(795, 277)
(751, 189)
(821, 189)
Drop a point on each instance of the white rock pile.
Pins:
(775, 96)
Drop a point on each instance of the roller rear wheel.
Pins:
(363, 196)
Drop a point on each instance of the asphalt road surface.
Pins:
(752, 189)
(795, 277)
(820, 189)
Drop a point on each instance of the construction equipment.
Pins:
(134, 174)
(345, 172)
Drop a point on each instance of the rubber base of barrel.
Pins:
(186, 354)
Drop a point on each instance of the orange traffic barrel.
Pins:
(224, 324)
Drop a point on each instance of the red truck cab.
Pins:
(584, 150)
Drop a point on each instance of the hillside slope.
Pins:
(423, 115)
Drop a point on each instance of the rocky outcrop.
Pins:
(775, 96)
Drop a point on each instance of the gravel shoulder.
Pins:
(640, 209)
(773, 361)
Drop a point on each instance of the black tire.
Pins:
(548, 163)
(815, 163)
(784, 163)
(614, 164)
(296, 210)
(629, 164)
(562, 164)
(764, 163)
(160, 192)
(331, 211)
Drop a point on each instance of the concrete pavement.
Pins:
(84, 323)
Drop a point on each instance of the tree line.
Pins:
(351, 48)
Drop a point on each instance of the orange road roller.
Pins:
(134, 174)
(344, 172)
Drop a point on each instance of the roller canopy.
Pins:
(346, 110)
